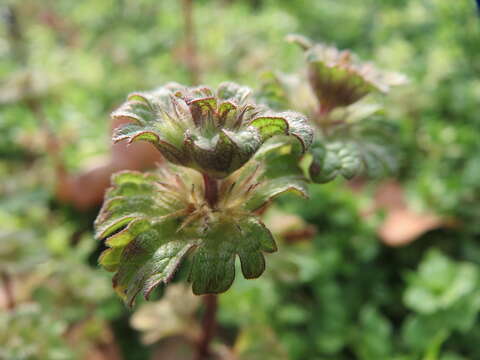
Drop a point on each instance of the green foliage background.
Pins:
(343, 295)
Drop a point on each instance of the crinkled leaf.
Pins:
(213, 264)
(366, 149)
(150, 258)
(245, 144)
(205, 104)
(338, 78)
(213, 133)
(143, 255)
(156, 117)
(269, 126)
(325, 165)
(224, 153)
(299, 128)
(144, 248)
(110, 258)
(226, 112)
(133, 132)
(336, 86)
(212, 156)
(143, 221)
(285, 123)
(132, 196)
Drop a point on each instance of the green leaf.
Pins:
(245, 143)
(223, 154)
(280, 160)
(213, 156)
(144, 246)
(269, 126)
(285, 123)
(150, 259)
(366, 149)
(213, 264)
(156, 117)
(214, 134)
(269, 189)
(373, 338)
(226, 110)
(152, 221)
(110, 259)
(325, 165)
(299, 128)
(130, 198)
(440, 283)
(420, 333)
(207, 104)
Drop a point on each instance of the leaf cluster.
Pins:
(152, 221)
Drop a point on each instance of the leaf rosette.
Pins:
(351, 141)
(152, 221)
(352, 138)
(214, 132)
(338, 78)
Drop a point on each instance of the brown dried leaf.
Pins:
(403, 226)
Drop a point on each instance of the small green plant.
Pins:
(229, 157)
(207, 200)
(352, 136)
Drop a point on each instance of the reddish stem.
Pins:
(323, 116)
(211, 190)
(209, 327)
(324, 110)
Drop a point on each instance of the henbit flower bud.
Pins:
(338, 78)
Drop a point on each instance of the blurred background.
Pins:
(382, 270)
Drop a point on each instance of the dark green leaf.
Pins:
(213, 266)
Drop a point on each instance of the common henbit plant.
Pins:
(206, 201)
(224, 168)
(352, 138)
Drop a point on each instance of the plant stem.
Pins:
(323, 113)
(209, 327)
(211, 190)
(190, 43)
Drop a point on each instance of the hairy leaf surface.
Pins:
(152, 221)
(213, 132)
